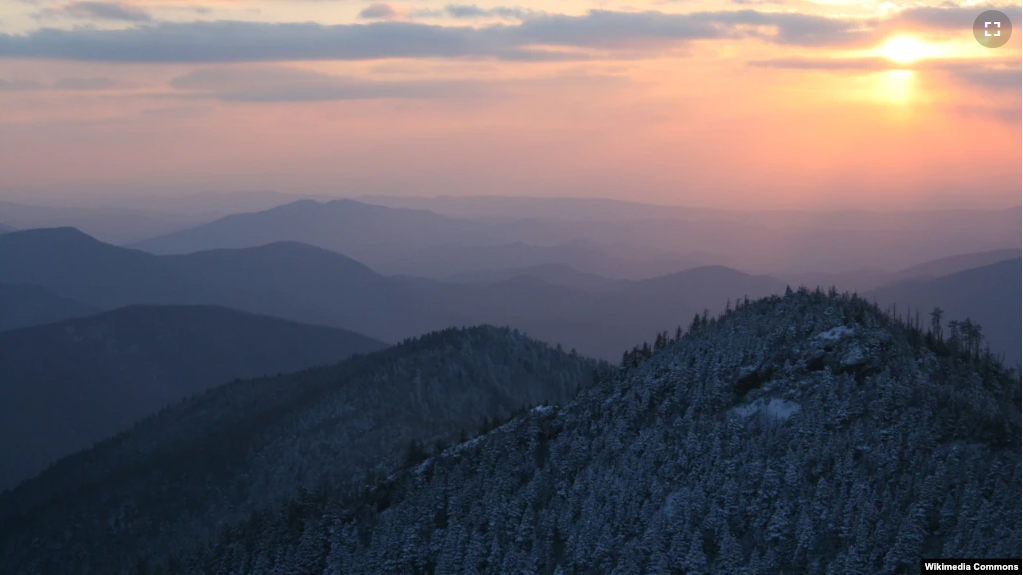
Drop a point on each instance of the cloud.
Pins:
(999, 77)
(65, 84)
(106, 11)
(981, 73)
(84, 84)
(277, 83)
(247, 42)
(597, 30)
(472, 12)
(379, 12)
(19, 85)
(945, 18)
(270, 83)
(790, 28)
(179, 112)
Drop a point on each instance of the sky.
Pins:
(787, 104)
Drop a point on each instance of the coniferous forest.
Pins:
(810, 433)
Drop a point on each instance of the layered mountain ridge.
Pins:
(314, 285)
(67, 385)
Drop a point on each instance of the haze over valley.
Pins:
(414, 270)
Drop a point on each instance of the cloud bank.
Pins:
(598, 30)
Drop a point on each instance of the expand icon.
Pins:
(992, 29)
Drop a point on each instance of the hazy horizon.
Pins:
(143, 200)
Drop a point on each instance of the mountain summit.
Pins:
(806, 434)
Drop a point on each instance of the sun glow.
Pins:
(895, 86)
(905, 50)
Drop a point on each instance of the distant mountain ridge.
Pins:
(987, 294)
(953, 264)
(866, 280)
(67, 385)
(76, 265)
(24, 305)
(407, 241)
(344, 226)
(414, 241)
(315, 285)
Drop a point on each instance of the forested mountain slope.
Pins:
(170, 482)
(67, 385)
(804, 434)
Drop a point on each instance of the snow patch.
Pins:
(836, 333)
(773, 408)
(455, 449)
(422, 467)
(854, 356)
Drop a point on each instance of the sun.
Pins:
(904, 49)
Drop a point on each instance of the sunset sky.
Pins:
(750, 103)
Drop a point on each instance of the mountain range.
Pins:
(363, 231)
(418, 242)
(69, 384)
(249, 446)
(402, 240)
(314, 285)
